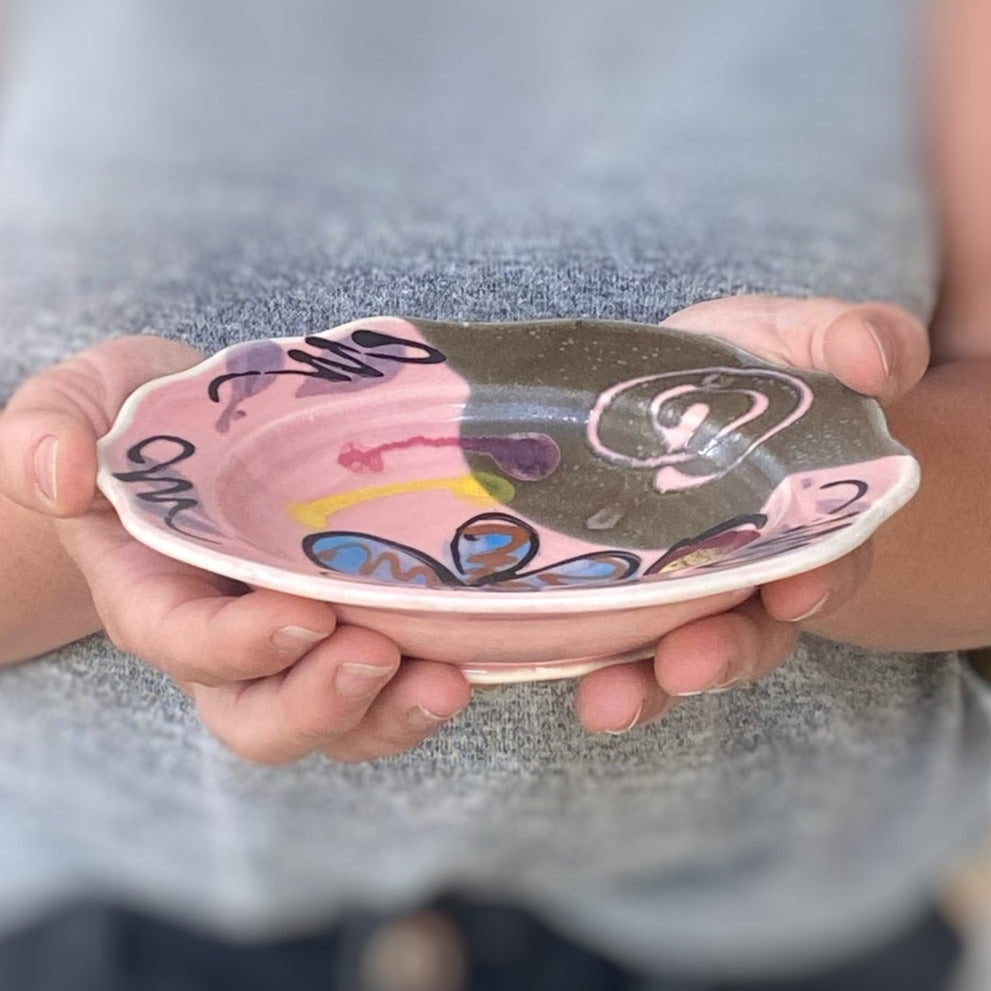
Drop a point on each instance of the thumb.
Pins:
(878, 349)
(49, 430)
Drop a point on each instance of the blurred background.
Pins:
(217, 170)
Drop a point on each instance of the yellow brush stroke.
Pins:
(482, 489)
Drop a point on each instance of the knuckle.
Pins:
(178, 666)
(388, 744)
(182, 669)
(370, 744)
(345, 755)
(186, 657)
(307, 737)
(86, 384)
(383, 745)
(75, 391)
(120, 635)
(260, 753)
(784, 655)
(223, 666)
(361, 752)
(243, 741)
(748, 625)
(780, 653)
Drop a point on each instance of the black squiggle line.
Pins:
(175, 488)
(862, 488)
(347, 362)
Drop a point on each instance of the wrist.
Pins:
(44, 601)
(961, 326)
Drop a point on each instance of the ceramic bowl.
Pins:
(526, 500)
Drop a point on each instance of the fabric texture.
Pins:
(222, 172)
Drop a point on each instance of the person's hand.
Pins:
(274, 676)
(877, 349)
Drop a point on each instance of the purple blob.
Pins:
(525, 457)
(249, 367)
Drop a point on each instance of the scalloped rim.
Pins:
(469, 601)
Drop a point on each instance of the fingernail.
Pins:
(880, 350)
(296, 638)
(355, 681)
(422, 720)
(721, 682)
(727, 679)
(671, 703)
(45, 475)
(809, 613)
(627, 728)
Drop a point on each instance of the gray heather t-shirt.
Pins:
(222, 171)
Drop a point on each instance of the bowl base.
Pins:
(573, 667)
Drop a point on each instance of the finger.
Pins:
(618, 698)
(195, 626)
(49, 429)
(716, 652)
(422, 698)
(877, 349)
(327, 694)
(818, 592)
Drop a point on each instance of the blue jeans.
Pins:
(99, 948)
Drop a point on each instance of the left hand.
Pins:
(877, 349)
(274, 676)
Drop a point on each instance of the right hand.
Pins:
(877, 349)
(274, 676)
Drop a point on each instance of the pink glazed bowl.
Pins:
(527, 501)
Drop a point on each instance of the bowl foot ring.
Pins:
(505, 674)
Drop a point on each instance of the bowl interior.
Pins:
(383, 493)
